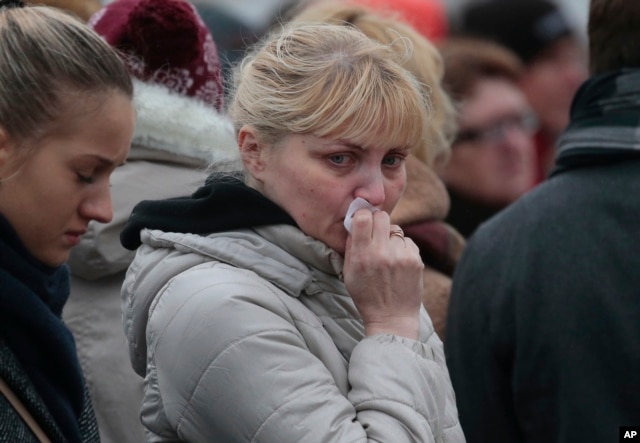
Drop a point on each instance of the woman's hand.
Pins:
(383, 274)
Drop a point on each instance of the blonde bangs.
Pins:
(332, 81)
(368, 106)
(382, 117)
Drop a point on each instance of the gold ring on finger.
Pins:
(398, 232)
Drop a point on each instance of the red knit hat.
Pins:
(165, 42)
(428, 17)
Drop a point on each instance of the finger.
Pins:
(361, 227)
(381, 226)
(396, 231)
(397, 235)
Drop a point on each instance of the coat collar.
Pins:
(605, 122)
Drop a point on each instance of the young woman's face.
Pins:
(51, 195)
(315, 180)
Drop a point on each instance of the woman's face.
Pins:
(315, 180)
(496, 165)
(51, 195)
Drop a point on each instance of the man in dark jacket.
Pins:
(543, 336)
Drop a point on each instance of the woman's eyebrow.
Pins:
(350, 145)
(103, 160)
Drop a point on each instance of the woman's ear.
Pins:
(252, 151)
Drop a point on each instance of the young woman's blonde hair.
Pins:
(329, 80)
(424, 62)
(46, 55)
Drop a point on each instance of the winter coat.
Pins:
(543, 336)
(250, 335)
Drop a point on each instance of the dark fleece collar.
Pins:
(223, 203)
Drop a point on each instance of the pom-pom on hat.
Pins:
(165, 42)
(177, 80)
(527, 27)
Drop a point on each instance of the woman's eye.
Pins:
(392, 160)
(338, 159)
(88, 179)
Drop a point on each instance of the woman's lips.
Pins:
(73, 237)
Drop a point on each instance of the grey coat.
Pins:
(251, 336)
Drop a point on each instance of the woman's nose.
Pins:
(372, 188)
(98, 206)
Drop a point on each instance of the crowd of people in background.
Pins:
(326, 220)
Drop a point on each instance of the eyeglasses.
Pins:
(496, 131)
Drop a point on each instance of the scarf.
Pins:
(605, 122)
(32, 296)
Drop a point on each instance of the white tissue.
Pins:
(358, 203)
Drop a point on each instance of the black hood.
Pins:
(224, 203)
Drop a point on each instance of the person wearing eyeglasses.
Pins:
(493, 158)
(553, 56)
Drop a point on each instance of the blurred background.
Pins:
(258, 13)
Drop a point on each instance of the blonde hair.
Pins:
(329, 80)
(45, 55)
(424, 62)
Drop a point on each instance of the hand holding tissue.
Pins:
(358, 203)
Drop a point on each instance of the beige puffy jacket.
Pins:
(250, 336)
